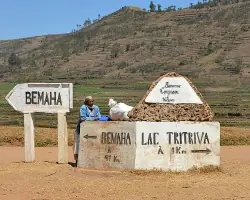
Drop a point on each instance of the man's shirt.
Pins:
(87, 115)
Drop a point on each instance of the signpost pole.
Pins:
(29, 139)
(62, 138)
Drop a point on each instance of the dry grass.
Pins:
(235, 136)
(194, 170)
(205, 169)
(13, 136)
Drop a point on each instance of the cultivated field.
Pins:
(229, 100)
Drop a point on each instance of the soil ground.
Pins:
(46, 180)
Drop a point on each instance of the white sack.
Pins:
(118, 111)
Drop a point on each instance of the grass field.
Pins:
(229, 100)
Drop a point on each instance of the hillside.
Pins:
(132, 47)
(135, 43)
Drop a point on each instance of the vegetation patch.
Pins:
(195, 170)
(47, 137)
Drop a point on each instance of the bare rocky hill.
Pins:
(132, 44)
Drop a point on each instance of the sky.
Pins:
(27, 18)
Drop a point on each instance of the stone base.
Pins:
(176, 146)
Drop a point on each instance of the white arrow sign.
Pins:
(48, 98)
(41, 97)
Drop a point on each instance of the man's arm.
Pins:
(98, 112)
(83, 115)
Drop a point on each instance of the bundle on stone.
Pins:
(172, 97)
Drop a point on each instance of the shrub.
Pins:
(115, 50)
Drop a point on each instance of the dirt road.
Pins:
(46, 180)
(42, 154)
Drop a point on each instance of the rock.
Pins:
(192, 108)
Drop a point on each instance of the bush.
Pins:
(115, 50)
(122, 65)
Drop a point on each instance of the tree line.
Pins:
(86, 23)
(158, 8)
(199, 5)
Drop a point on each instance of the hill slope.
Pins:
(135, 43)
(122, 53)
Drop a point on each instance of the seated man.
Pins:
(88, 112)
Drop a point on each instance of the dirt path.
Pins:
(46, 180)
(42, 154)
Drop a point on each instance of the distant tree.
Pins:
(213, 3)
(238, 65)
(87, 22)
(115, 50)
(78, 26)
(95, 20)
(159, 8)
(152, 6)
(170, 9)
(128, 47)
(200, 5)
(14, 62)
